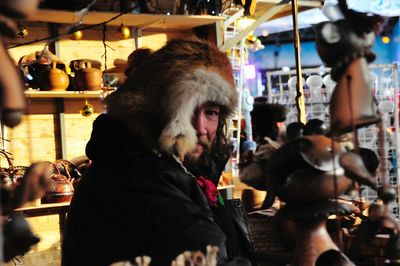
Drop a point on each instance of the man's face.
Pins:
(205, 121)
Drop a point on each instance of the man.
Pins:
(315, 127)
(267, 120)
(268, 124)
(156, 156)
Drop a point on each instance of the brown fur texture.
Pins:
(164, 88)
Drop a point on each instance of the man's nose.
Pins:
(200, 125)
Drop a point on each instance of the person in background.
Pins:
(267, 121)
(157, 155)
(246, 138)
(294, 130)
(314, 127)
(268, 129)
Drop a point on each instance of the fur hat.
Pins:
(164, 88)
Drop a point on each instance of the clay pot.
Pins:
(60, 188)
(309, 185)
(12, 176)
(55, 79)
(304, 170)
(88, 77)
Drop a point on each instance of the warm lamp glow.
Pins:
(245, 22)
(386, 39)
(124, 32)
(250, 71)
(77, 35)
(22, 31)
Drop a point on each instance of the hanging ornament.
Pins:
(77, 35)
(22, 31)
(124, 32)
(253, 43)
(87, 109)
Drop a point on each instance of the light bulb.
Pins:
(124, 32)
(77, 35)
(22, 31)
(386, 39)
(87, 109)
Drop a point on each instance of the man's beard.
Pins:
(210, 163)
(202, 164)
(199, 166)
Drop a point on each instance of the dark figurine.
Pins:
(345, 45)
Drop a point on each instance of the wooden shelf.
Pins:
(225, 187)
(264, 5)
(46, 207)
(66, 94)
(60, 209)
(164, 22)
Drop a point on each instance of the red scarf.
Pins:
(210, 190)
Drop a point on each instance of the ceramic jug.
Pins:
(54, 79)
(60, 188)
(87, 77)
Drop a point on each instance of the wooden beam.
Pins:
(150, 23)
(156, 21)
(300, 103)
(264, 17)
(60, 119)
(231, 19)
(307, 3)
(219, 33)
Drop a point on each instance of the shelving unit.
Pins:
(35, 94)
(236, 57)
(153, 21)
(384, 80)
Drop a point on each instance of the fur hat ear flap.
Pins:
(194, 89)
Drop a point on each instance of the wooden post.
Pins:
(301, 114)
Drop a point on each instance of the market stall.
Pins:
(71, 60)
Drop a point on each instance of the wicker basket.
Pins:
(269, 245)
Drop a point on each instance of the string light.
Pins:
(76, 35)
(124, 32)
(22, 31)
(105, 72)
(56, 37)
(245, 22)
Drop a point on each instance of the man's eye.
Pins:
(212, 113)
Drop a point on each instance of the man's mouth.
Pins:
(202, 142)
(199, 146)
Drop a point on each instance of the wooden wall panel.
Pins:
(41, 106)
(33, 140)
(91, 47)
(154, 40)
(38, 136)
(78, 132)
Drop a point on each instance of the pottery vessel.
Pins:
(60, 188)
(54, 79)
(88, 77)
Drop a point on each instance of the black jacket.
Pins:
(134, 202)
